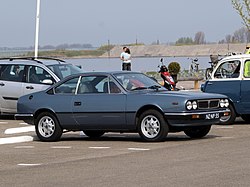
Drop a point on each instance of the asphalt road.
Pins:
(220, 159)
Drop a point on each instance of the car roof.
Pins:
(106, 73)
(236, 56)
(32, 60)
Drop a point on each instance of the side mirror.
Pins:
(47, 81)
(202, 87)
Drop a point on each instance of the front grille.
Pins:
(204, 104)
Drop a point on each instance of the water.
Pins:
(143, 64)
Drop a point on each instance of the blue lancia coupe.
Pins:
(99, 102)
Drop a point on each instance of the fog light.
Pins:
(195, 116)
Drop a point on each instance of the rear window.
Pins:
(11, 72)
(64, 70)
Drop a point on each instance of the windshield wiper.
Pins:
(154, 87)
(139, 88)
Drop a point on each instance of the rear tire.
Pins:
(197, 132)
(152, 126)
(47, 127)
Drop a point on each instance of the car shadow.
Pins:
(132, 137)
(7, 117)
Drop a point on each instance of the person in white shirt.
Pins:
(126, 59)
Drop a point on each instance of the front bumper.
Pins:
(186, 119)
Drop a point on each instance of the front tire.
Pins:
(47, 127)
(152, 126)
(197, 132)
(228, 120)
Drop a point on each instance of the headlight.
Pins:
(224, 103)
(195, 106)
(191, 105)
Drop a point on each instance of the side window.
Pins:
(230, 69)
(91, 84)
(247, 69)
(110, 87)
(12, 72)
(97, 84)
(68, 87)
(38, 75)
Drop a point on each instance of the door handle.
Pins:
(2, 84)
(30, 87)
(77, 103)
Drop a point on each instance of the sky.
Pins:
(120, 22)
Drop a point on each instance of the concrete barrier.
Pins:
(194, 79)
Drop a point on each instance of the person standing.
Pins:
(247, 51)
(126, 59)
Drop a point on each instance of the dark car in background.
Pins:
(231, 77)
(24, 75)
(99, 102)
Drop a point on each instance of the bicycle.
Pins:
(194, 66)
(214, 61)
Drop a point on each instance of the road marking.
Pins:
(18, 139)
(19, 130)
(99, 147)
(3, 122)
(23, 123)
(61, 147)
(226, 137)
(82, 133)
(138, 149)
(22, 164)
(224, 127)
(24, 147)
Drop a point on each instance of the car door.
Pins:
(98, 105)
(226, 80)
(35, 79)
(245, 89)
(62, 102)
(11, 86)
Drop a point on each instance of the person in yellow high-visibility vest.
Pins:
(247, 51)
(247, 69)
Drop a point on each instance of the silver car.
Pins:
(24, 75)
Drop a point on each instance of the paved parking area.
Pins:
(219, 159)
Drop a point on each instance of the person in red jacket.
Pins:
(168, 79)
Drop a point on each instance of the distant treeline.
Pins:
(51, 47)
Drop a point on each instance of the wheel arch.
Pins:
(145, 108)
(44, 110)
(232, 104)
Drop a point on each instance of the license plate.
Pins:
(213, 116)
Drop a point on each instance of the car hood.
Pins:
(187, 94)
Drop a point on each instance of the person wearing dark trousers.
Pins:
(126, 59)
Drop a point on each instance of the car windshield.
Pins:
(137, 81)
(64, 70)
